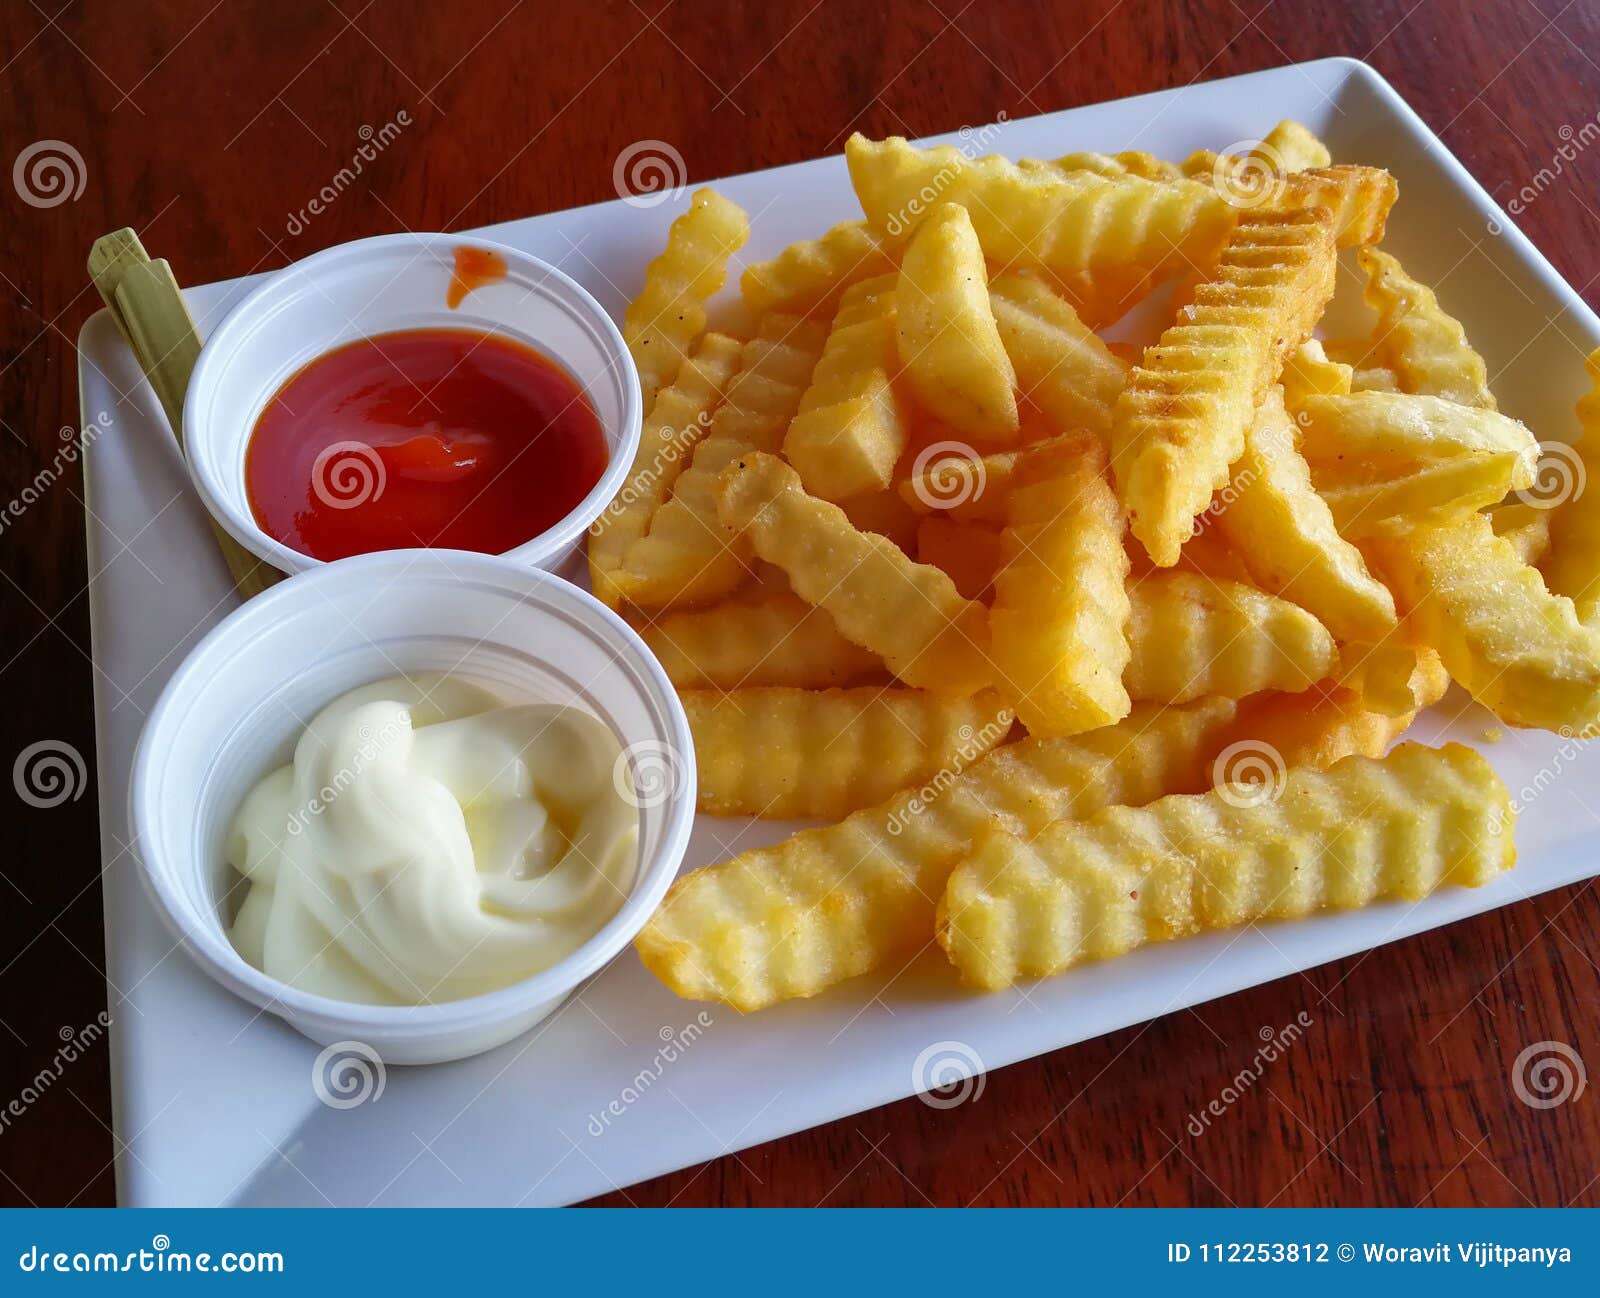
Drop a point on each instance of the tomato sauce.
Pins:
(427, 437)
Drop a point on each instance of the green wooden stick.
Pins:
(149, 309)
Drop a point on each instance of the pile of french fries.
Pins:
(1079, 645)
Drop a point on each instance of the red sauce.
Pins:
(428, 437)
(474, 267)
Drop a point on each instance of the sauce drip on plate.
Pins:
(427, 437)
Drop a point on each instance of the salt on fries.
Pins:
(929, 494)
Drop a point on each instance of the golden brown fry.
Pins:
(949, 343)
(1273, 516)
(851, 426)
(686, 556)
(1192, 636)
(1058, 627)
(1360, 832)
(1573, 565)
(908, 613)
(1074, 225)
(808, 277)
(1426, 348)
(775, 640)
(1375, 499)
(1181, 421)
(1401, 430)
(1061, 364)
(679, 419)
(1308, 372)
(828, 904)
(1289, 146)
(1359, 198)
(785, 753)
(662, 324)
(1516, 648)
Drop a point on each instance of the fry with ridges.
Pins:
(809, 276)
(851, 426)
(1516, 648)
(1181, 421)
(775, 640)
(1058, 626)
(1062, 366)
(781, 753)
(677, 422)
(1573, 565)
(828, 904)
(1362, 831)
(908, 613)
(686, 555)
(662, 324)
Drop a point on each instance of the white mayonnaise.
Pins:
(429, 843)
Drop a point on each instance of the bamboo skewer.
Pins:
(144, 298)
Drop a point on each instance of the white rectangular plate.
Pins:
(214, 1104)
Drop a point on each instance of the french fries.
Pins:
(810, 276)
(1360, 832)
(779, 753)
(851, 427)
(677, 422)
(930, 498)
(1286, 533)
(1407, 430)
(1061, 364)
(1516, 648)
(776, 640)
(949, 343)
(1192, 635)
(686, 556)
(908, 613)
(1426, 348)
(1182, 419)
(831, 903)
(1069, 224)
(1058, 628)
(662, 324)
(1573, 565)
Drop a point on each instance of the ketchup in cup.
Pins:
(428, 437)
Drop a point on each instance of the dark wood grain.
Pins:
(208, 128)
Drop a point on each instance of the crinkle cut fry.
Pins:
(829, 904)
(1182, 420)
(1361, 831)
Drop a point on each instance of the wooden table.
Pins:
(210, 129)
